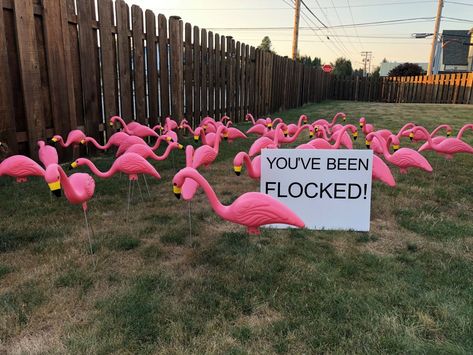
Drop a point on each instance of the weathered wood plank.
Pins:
(109, 61)
(124, 59)
(7, 115)
(163, 66)
(30, 72)
(139, 64)
(211, 74)
(218, 85)
(223, 78)
(152, 68)
(204, 66)
(188, 72)
(197, 113)
(177, 69)
(236, 117)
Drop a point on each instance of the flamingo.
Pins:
(334, 120)
(205, 154)
(345, 140)
(78, 188)
(47, 154)
(207, 138)
(135, 129)
(292, 128)
(249, 117)
(366, 127)
(462, 130)
(170, 124)
(419, 135)
(253, 166)
(447, 147)
(234, 133)
(132, 140)
(115, 140)
(403, 158)
(252, 209)
(75, 137)
(259, 129)
(266, 142)
(321, 143)
(189, 187)
(382, 172)
(20, 167)
(146, 152)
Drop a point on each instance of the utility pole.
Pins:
(366, 60)
(435, 37)
(295, 36)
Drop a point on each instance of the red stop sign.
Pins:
(327, 68)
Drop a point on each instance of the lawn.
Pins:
(405, 287)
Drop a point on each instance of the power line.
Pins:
(353, 21)
(308, 9)
(340, 21)
(457, 19)
(459, 3)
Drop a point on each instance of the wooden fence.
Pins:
(64, 66)
(443, 88)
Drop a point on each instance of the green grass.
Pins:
(405, 287)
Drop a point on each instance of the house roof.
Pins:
(455, 52)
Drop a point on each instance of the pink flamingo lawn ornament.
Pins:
(20, 167)
(447, 147)
(146, 152)
(75, 137)
(403, 158)
(345, 137)
(366, 128)
(252, 209)
(170, 124)
(381, 172)
(115, 140)
(234, 133)
(78, 188)
(130, 164)
(47, 154)
(259, 129)
(249, 117)
(205, 154)
(323, 122)
(134, 128)
(132, 140)
(321, 143)
(252, 166)
(292, 128)
(266, 142)
(419, 135)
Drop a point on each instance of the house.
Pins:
(457, 53)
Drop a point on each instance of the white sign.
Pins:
(326, 188)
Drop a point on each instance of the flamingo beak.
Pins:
(311, 134)
(54, 140)
(111, 124)
(361, 124)
(269, 125)
(177, 191)
(449, 133)
(285, 133)
(237, 170)
(73, 165)
(225, 136)
(411, 136)
(180, 146)
(344, 118)
(168, 139)
(196, 138)
(82, 141)
(55, 188)
(355, 135)
(395, 147)
(368, 144)
(304, 120)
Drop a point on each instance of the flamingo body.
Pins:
(47, 154)
(20, 167)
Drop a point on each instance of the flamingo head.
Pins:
(237, 169)
(311, 133)
(344, 117)
(197, 133)
(53, 178)
(449, 133)
(56, 139)
(77, 163)
(362, 121)
(355, 135)
(395, 142)
(411, 136)
(304, 119)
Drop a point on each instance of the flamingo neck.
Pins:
(217, 138)
(249, 164)
(301, 118)
(427, 134)
(67, 186)
(189, 128)
(334, 119)
(404, 128)
(189, 155)
(463, 129)
(217, 206)
(158, 142)
(96, 171)
(323, 129)
(442, 126)
(250, 116)
(337, 143)
(97, 144)
(166, 153)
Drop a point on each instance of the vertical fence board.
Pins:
(188, 71)
(124, 59)
(218, 84)
(109, 60)
(237, 81)
(30, 72)
(203, 79)
(223, 86)
(211, 74)
(177, 70)
(138, 63)
(163, 67)
(197, 113)
(151, 67)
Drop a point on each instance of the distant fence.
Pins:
(63, 66)
(442, 88)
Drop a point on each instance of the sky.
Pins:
(243, 20)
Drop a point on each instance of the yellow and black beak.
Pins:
(177, 191)
(285, 133)
(225, 136)
(169, 139)
(82, 142)
(269, 125)
(73, 165)
(368, 144)
(111, 124)
(355, 135)
(196, 138)
(361, 124)
(411, 136)
(180, 146)
(54, 140)
(449, 133)
(311, 134)
(395, 147)
(304, 120)
(344, 118)
(237, 170)
(55, 188)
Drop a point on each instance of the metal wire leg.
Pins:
(139, 187)
(190, 219)
(146, 183)
(90, 239)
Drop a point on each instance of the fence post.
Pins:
(177, 75)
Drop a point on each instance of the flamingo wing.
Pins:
(454, 145)
(382, 172)
(260, 144)
(20, 166)
(84, 188)
(258, 129)
(204, 155)
(406, 157)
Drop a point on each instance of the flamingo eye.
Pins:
(175, 184)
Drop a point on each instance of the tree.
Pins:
(358, 72)
(342, 67)
(316, 62)
(266, 45)
(406, 69)
(375, 73)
